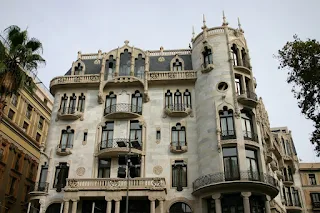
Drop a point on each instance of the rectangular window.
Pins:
(179, 174)
(230, 160)
(17, 162)
(31, 171)
(104, 168)
(27, 190)
(134, 165)
(38, 137)
(13, 184)
(85, 136)
(312, 179)
(158, 135)
(11, 114)
(252, 164)
(14, 100)
(81, 102)
(29, 111)
(296, 198)
(41, 121)
(43, 178)
(315, 198)
(238, 84)
(25, 126)
(107, 135)
(288, 196)
(136, 132)
(1, 154)
(60, 178)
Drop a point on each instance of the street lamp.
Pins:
(135, 144)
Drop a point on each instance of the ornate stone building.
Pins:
(23, 131)
(188, 121)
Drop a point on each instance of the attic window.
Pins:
(177, 65)
(78, 69)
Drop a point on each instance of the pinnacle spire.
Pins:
(224, 23)
(239, 25)
(193, 33)
(204, 22)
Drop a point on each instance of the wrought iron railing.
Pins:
(220, 177)
(178, 143)
(41, 187)
(288, 178)
(113, 143)
(250, 136)
(228, 134)
(177, 107)
(252, 95)
(68, 110)
(122, 107)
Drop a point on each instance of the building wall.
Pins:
(16, 141)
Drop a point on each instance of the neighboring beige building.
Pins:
(310, 179)
(201, 140)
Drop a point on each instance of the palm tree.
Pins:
(19, 56)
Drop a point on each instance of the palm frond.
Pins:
(32, 62)
(3, 67)
(35, 45)
(2, 52)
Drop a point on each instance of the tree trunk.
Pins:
(3, 104)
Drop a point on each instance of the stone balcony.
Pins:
(177, 110)
(172, 76)
(69, 113)
(40, 188)
(108, 148)
(73, 80)
(115, 184)
(248, 98)
(122, 111)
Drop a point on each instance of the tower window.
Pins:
(227, 124)
(179, 175)
(235, 55)
(207, 57)
(139, 66)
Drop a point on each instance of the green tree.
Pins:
(18, 55)
(302, 60)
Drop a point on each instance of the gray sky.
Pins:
(65, 27)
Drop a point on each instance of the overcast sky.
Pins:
(65, 27)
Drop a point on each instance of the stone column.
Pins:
(29, 205)
(142, 166)
(109, 204)
(243, 85)
(41, 202)
(74, 206)
(66, 206)
(132, 62)
(246, 201)
(152, 205)
(116, 73)
(217, 202)
(117, 206)
(161, 201)
(267, 204)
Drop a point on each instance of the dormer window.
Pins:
(110, 68)
(177, 65)
(207, 57)
(125, 63)
(78, 69)
(139, 66)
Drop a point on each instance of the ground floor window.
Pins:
(180, 208)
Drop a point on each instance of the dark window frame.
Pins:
(60, 177)
(107, 135)
(111, 102)
(207, 56)
(178, 135)
(68, 133)
(179, 175)
(225, 116)
(136, 102)
(312, 179)
(233, 173)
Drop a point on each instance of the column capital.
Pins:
(117, 198)
(268, 198)
(152, 198)
(216, 196)
(75, 200)
(245, 194)
(66, 200)
(108, 198)
(161, 198)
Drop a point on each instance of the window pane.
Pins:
(182, 138)
(230, 125)
(250, 153)
(224, 126)
(229, 151)
(64, 140)
(174, 138)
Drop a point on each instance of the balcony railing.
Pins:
(235, 176)
(122, 107)
(252, 95)
(116, 184)
(41, 187)
(68, 110)
(316, 204)
(250, 136)
(113, 143)
(228, 134)
(72, 79)
(172, 75)
(178, 107)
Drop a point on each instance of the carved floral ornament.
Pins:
(80, 171)
(157, 170)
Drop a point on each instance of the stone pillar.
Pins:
(267, 204)
(142, 166)
(117, 206)
(29, 205)
(132, 63)
(243, 84)
(41, 202)
(217, 202)
(74, 206)
(66, 206)
(246, 201)
(116, 73)
(109, 204)
(161, 201)
(152, 205)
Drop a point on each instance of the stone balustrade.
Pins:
(172, 75)
(113, 184)
(74, 79)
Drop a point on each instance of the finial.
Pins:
(161, 49)
(224, 23)
(204, 22)
(239, 25)
(193, 33)
(126, 42)
(79, 54)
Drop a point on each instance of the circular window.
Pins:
(222, 86)
(180, 208)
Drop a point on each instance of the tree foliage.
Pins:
(302, 60)
(18, 55)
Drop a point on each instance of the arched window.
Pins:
(110, 68)
(235, 55)
(180, 208)
(136, 102)
(178, 136)
(107, 135)
(111, 100)
(168, 99)
(245, 60)
(247, 125)
(63, 105)
(78, 69)
(207, 57)
(125, 63)
(53, 208)
(66, 139)
(227, 124)
(178, 101)
(187, 99)
(72, 104)
(81, 102)
(139, 66)
(177, 65)
(257, 204)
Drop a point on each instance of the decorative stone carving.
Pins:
(157, 170)
(72, 183)
(80, 171)
(161, 59)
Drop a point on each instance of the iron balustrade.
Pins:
(41, 187)
(222, 177)
(113, 143)
(247, 135)
(228, 134)
(178, 107)
(68, 110)
(122, 107)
